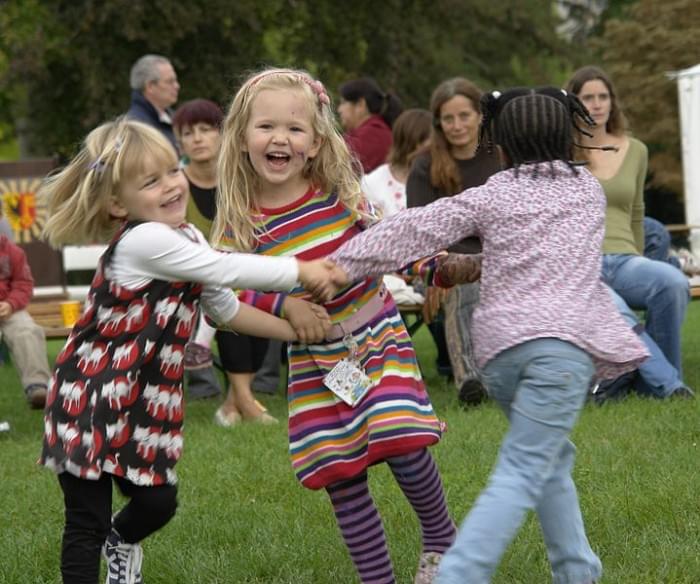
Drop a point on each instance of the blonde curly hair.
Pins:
(331, 169)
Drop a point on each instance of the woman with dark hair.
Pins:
(619, 162)
(367, 114)
(197, 125)
(451, 165)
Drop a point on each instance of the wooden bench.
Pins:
(46, 312)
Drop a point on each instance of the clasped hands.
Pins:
(453, 269)
(323, 278)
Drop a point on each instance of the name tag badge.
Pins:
(348, 381)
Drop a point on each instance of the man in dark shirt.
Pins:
(154, 90)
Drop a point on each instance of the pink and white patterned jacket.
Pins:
(542, 238)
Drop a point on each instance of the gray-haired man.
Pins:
(154, 89)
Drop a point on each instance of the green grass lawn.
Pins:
(244, 518)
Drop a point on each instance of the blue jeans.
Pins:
(541, 385)
(657, 377)
(658, 288)
(657, 242)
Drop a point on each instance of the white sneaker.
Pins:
(428, 567)
(123, 560)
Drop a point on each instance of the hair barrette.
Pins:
(318, 88)
(98, 166)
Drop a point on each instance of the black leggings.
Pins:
(88, 520)
(240, 353)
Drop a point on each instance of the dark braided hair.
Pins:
(532, 125)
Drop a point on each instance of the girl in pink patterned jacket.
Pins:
(545, 324)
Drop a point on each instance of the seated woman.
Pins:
(451, 164)
(367, 115)
(620, 164)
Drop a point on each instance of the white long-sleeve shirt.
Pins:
(155, 251)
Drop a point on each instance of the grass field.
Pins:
(243, 518)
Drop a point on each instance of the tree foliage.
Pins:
(64, 65)
(638, 49)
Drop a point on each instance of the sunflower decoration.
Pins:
(20, 206)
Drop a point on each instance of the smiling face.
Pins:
(459, 121)
(280, 139)
(595, 95)
(200, 142)
(157, 192)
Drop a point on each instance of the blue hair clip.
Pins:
(98, 166)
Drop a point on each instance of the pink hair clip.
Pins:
(317, 87)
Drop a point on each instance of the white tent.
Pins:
(689, 106)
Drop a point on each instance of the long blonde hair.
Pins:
(330, 170)
(78, 196)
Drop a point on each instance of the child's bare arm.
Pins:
(252, 321)
(310, 321)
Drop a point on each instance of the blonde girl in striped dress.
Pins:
(287, 187)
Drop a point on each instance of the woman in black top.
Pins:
(451, 165)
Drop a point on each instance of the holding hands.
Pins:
(322, 278)
(317, 278)
(309, 321)
(457, 268)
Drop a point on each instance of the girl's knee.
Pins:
(676, 285)
(166, 505)
(160, 502)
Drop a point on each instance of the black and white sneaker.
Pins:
(123, 560)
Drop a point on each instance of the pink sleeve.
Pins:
(412, 234)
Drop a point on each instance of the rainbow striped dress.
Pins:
(328, 440)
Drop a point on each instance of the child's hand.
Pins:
(316, 277)
(5, 309)
(459, 268)
(339, 277)
(310, 321)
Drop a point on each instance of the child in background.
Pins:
(197, 125)
(385, 186)
(544, 325)
(114, 407)
(25, 339)
(287, 188)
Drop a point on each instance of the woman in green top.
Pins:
(620, 164)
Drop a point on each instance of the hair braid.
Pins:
(532, 125)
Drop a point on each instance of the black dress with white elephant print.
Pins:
(115, 400)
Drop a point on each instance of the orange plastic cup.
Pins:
(70, 312)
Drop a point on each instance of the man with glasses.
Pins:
(154, 90)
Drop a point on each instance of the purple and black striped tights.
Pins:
(361, 526)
